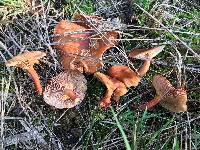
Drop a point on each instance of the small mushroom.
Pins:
(115, 88)
(169, 97)
(146, 55)
(125, 75)
(26, 61)
(65, 90)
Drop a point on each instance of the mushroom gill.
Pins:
(146, 55)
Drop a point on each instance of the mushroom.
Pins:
(72, 44)
(169, 97)
(99, 45)
(125, 75)
(71, 37)
(83, 55)
(26, 61)
(65, 90)
(146, 55)
(115, 88)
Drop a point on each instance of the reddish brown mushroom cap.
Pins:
(82, 55)
(26, 61)
(171, 98)
(115, 88)
(125, 75)
(72, 44)
(72, 37)
(65, 90)
(145, 54)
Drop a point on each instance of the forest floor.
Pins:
(27, 122)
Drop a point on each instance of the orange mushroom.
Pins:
(83, 55)
(115, 88)
(128, 76)
(26, 61)
(72, 44)
(169, 97)
(146, 55)
(65, 90)
(125, 75)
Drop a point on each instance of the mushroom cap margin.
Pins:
(145, 54)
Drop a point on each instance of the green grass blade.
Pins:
(128, 147)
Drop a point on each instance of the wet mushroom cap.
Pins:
(171, 98)
(54, 93)
(81, 49)
(145, 54)
(26, 59)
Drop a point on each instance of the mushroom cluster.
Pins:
(81, 47)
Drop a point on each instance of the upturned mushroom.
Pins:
(82, 51)
(26, 61)
(65, 90)
(169, 97)
(127, 75)
(115, 88)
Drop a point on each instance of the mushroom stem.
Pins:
(71, 94)
(106, 100)
(144, 68)
(150, 104)
(36, 79)
(114, 87)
